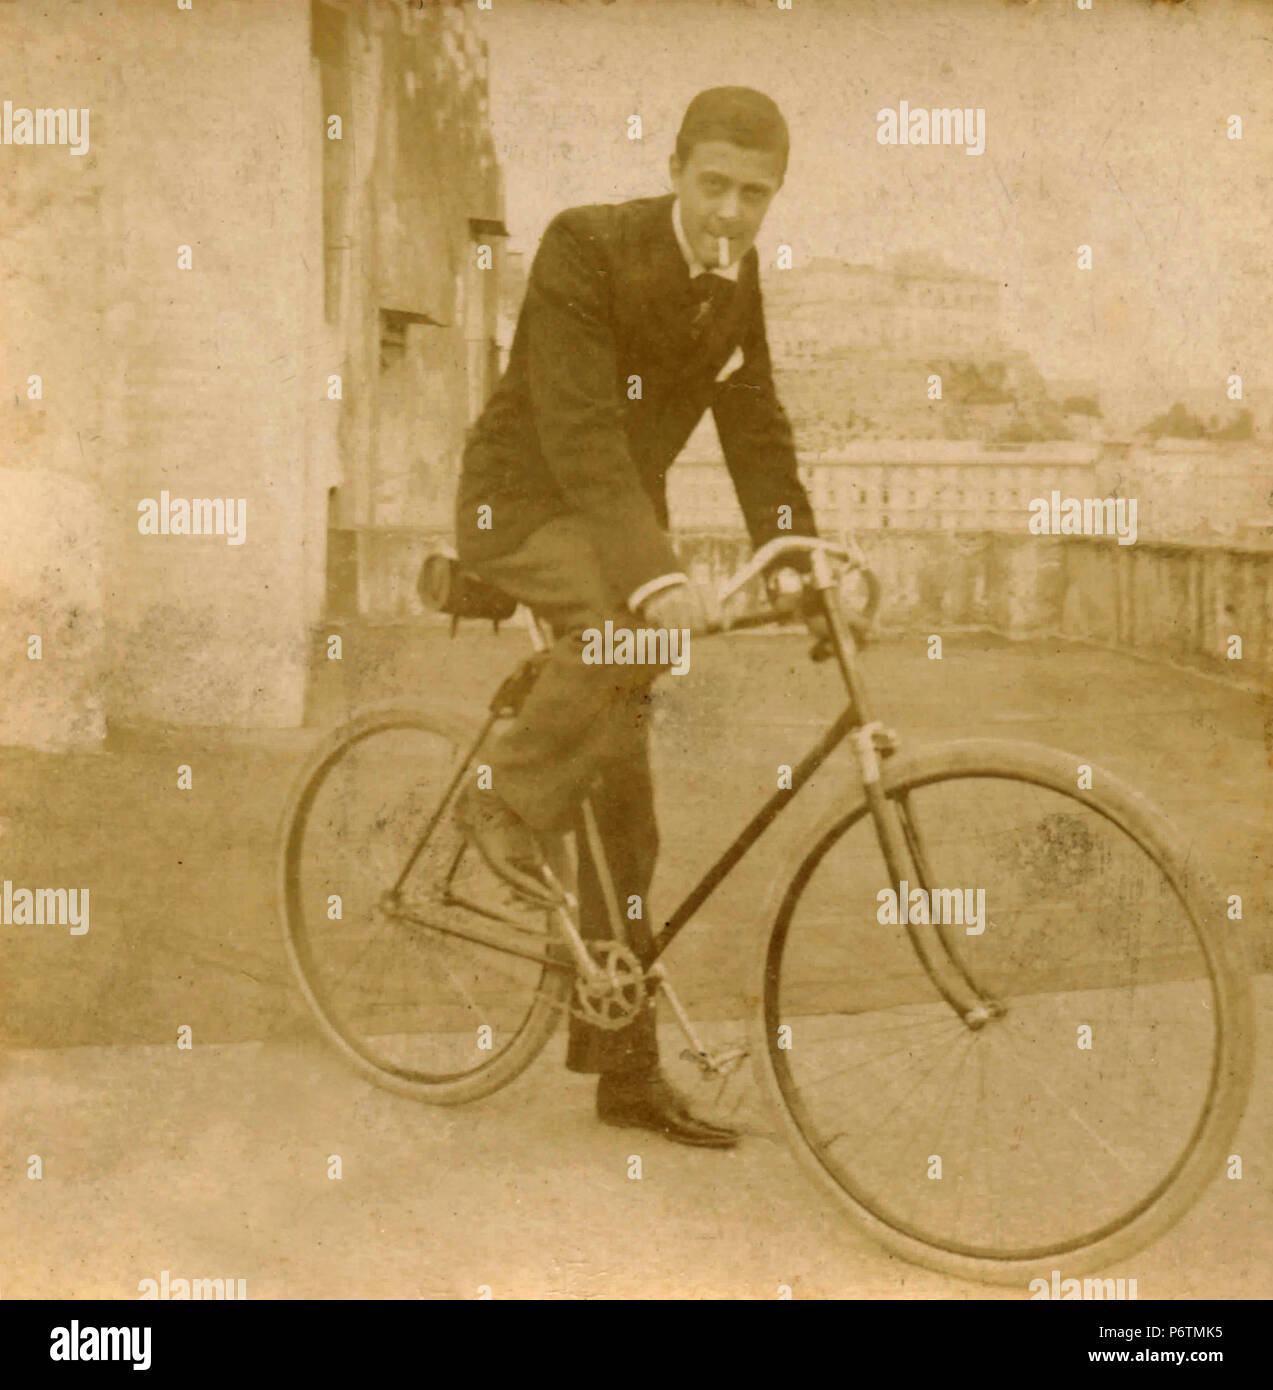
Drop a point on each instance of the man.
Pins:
(631, 317)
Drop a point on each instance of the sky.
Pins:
(1104, 128)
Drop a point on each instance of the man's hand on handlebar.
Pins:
(699, 608)
(787, 594)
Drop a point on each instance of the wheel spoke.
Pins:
(405, 1002)
(1057, 1121)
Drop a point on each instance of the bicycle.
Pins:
(1051, 1088)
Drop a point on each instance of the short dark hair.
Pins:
(740, 115)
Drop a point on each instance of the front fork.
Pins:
(871, 742)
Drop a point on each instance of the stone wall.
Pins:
(124, 374)
(1175, 602)
(156, 377)
(1184, 603)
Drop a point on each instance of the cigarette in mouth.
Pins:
(723, 249)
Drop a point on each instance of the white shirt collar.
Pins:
(696, 267)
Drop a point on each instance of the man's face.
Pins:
(725, 191)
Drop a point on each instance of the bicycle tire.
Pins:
(554, 986)
(1222, 941)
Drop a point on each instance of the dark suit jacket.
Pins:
(609, 298)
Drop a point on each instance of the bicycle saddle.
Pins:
(445, 586)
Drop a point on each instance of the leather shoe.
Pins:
(647, 1100)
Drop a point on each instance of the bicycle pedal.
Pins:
(710, 1064)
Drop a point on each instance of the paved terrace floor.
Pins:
(212, 1163)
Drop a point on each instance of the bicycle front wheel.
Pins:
(1100, 1097)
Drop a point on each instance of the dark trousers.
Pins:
(583, 732)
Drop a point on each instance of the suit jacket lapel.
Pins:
(669, 301)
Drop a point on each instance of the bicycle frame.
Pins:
(610, 979)
(871, 741)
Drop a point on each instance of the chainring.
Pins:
(613, 999)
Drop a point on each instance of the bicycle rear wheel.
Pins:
(420, 1011)
(1077, 1124)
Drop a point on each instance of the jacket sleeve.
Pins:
(756, 438)
(578, 413)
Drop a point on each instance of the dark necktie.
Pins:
(711, 293)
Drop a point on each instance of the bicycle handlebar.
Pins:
(775, 550)
(783, 545)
